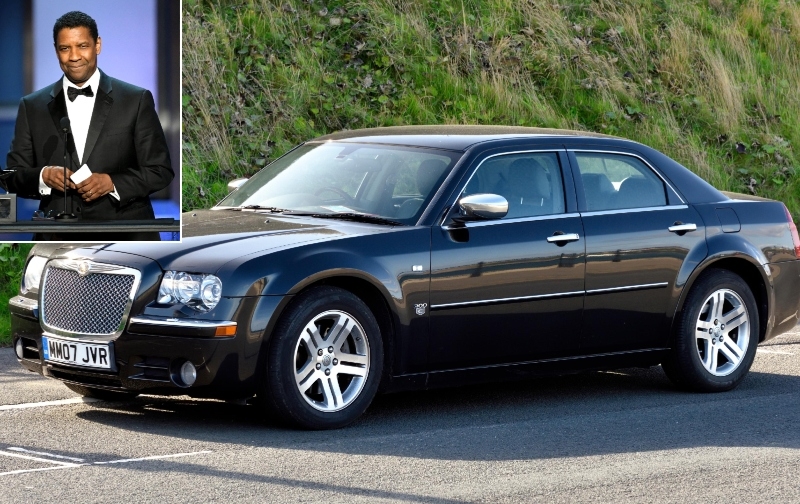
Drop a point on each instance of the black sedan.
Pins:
(415, 257)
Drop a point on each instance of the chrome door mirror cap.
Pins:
(483, 206)
(236, 183)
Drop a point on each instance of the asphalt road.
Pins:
(622, 436)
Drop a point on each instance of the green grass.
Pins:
(12, 260)
(692, 78)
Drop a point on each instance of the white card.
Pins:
(81, 175)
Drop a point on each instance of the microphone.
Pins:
(65, 215)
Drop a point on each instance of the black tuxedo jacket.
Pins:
(125, 140)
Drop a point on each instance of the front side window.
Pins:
(530, 182)
(387, 181)
(617, 181)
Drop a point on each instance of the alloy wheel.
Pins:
(331, 361)
(722, 332)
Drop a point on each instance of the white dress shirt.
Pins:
(80, 117)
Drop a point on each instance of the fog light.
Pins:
(188, 373)
(18, 347)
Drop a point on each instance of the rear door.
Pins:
(638, 232)
(510, 290)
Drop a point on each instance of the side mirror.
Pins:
(236, 183)
(482, 206)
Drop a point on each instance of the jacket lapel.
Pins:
(102, 106)
(58, 109)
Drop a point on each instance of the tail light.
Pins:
(793, 229)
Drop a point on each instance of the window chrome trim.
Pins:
(628, 288)
(640, 158)
(482, 223)
(183, 323)
(505, 300)
(78, 264)
(631, 210)
(548, 296)
(511, 153)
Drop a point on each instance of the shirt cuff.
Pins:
(44, 189)
(114, 194)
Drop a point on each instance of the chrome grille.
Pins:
(93, 303)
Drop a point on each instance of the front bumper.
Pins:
(148, 355)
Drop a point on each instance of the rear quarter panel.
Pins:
(764, 241)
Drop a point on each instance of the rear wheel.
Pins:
(325, 360)
(717, 334)
(102, 394)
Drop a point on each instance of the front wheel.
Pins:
(325, 360)
(717, 334)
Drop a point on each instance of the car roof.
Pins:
(448, 136)
(463, 137)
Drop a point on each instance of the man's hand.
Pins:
(53, 176)
(96, 186)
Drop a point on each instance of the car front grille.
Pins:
(81, 297)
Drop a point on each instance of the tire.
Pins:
(319, 376)
(717, 334)
(102, 394)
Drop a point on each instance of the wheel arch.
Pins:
(377, 300)
(363, 286)
(749, 270)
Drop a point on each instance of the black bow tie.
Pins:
(73, 93)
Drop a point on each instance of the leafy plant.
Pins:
(12, 260)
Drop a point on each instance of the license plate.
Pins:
(77, 353)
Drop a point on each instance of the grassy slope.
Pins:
(691, 78)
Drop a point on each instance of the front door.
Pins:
(509, 290)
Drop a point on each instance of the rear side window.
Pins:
(530, 182)
(617, 181)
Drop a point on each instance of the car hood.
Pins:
(213, 237)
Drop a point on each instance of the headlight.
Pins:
(33, 273)
(201, 292)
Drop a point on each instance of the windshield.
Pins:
(391, 182)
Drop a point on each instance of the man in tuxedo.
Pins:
(115, 132)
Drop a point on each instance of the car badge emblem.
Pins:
(326, 361)
(420, 308)
(84, 268)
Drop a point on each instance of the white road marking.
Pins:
(74, 400)
(53, 455)
(20, 471)
(154, 457)
(69, 465)
(37, 459)
(761, 350)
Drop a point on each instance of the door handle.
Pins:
(681, 228)
(563, 238)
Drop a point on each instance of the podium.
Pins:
(116, 226)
